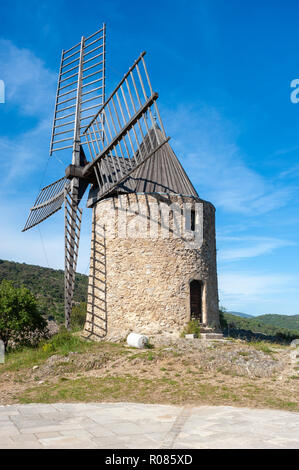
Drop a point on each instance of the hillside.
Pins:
(234, 325)
(46, 284)
(281, 321)
(240, 314)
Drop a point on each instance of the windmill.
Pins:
(108, 139)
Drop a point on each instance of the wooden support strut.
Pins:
(72, 213)
(73, 217)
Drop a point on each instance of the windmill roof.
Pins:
(161, 173)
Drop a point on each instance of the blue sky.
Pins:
(223, 71)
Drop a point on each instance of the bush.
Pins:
(222, 319)
(78, 316)
(20, 321)
(63, 342)
(193, 328)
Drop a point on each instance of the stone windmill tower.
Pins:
(149, 272)
(153, 250)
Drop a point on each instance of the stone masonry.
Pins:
(140, 272)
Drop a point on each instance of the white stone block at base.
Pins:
(137, 341)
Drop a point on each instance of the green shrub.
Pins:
(63, 343)
(261, 346)
(222, 319)
(20, 321)
(192, 328)
(78, 316)
(46, 284)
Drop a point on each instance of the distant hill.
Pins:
(235, 325)
(240, 314)
(47, 285)
(281, 321)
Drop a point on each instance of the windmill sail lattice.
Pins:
(80, 89)
(49, 201)
(124, 134)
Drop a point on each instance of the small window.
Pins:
(193, 220)
(190, 220)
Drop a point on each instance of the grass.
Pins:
(61, 344)
(274, 402)
(262, 346)
(110, 388)
(147, 355)
(169, 390)
(147, 376)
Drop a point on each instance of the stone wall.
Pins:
(140, 272)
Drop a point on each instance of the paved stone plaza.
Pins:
(133, 426)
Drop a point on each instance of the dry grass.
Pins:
(196, 372)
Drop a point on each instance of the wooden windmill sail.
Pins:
(109, 139)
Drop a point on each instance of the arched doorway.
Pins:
(196, 300)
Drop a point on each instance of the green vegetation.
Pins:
(78, 316)
(290, 322)
(192, 328)
(253, 328)
(262, 346)
(62, 344)
(146, 390)
(46, 284)
(20, 321)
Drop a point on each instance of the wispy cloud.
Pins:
(207, 145)
(30, 91)
(40, 245)
(254, 292)
(248, 247)
(30, 85)
(252, 284)
(284, 151)
(292, 171)
(24, 154)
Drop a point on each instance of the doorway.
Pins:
(196, 300)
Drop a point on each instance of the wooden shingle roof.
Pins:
(162, 173)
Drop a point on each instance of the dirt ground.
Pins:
(174, 371)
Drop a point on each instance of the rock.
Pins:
(137, 341)
(53, 328)
(211, 335)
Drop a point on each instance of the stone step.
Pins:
(211, 335)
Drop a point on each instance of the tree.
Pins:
(20, 321)
(78, 315)
(222, 319)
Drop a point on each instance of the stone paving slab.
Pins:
(139, 426)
